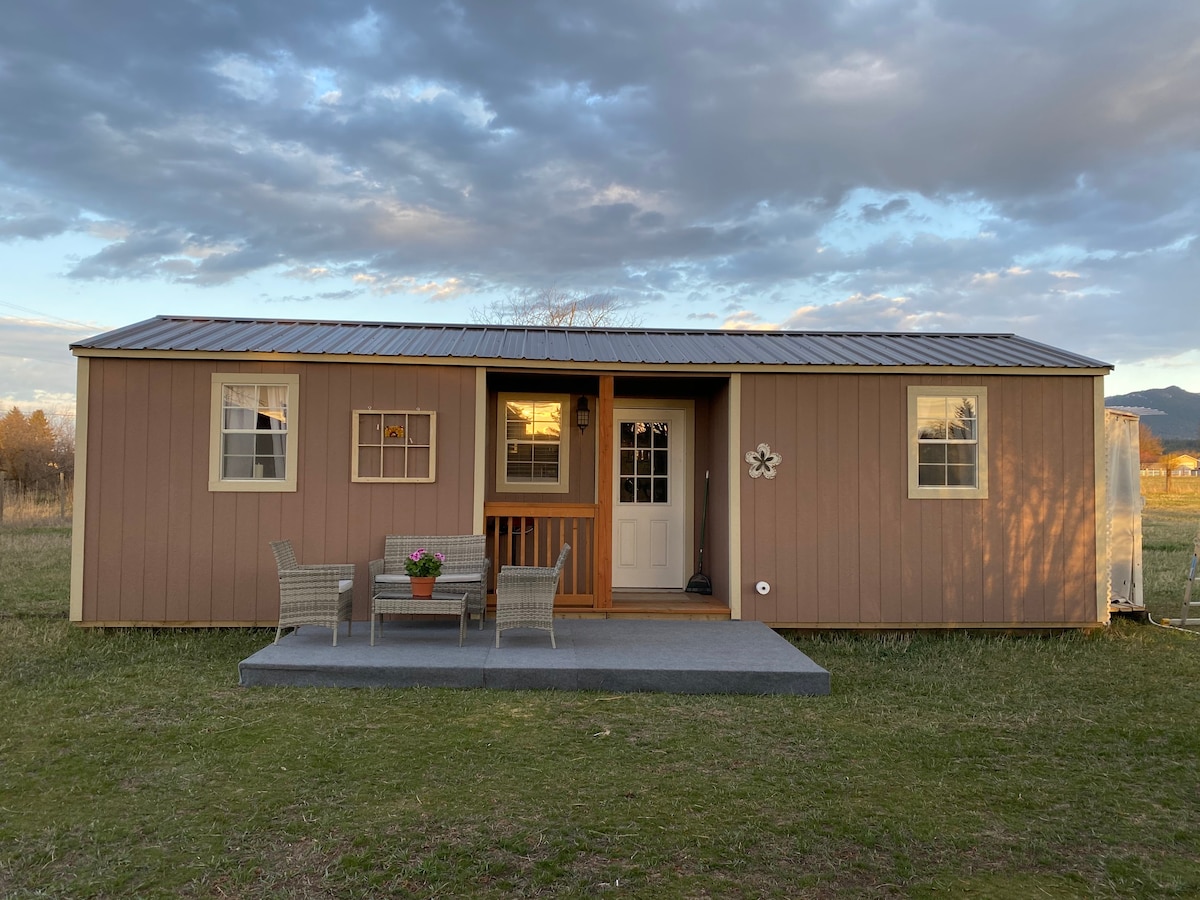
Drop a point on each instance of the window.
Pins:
(532, 444)
(643, 462)
(393, 445)
(253, 445)
(947, 453)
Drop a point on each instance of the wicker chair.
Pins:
(312, 595)
(525, 596)
(466, 567)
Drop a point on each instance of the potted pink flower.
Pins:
(423, 568)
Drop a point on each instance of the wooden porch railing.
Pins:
(531, 534)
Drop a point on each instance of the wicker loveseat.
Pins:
(466, 566)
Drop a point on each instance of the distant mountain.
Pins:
(1182, 408)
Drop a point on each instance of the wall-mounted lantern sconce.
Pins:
(583, 415)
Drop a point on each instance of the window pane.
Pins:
(931, 430)
(517, 431)
(239, 419)
(268, 467)
(242, 396)
(660, 490)
(660, 433)
(545, 452)
(643, 434)
(418, 463)
(931, 476)
(519, 411)
(419, 429)
(239, 444)
(626, 490)
(238, 467)
(519, 471)
(273, 396)
(643, 490)
(520, 453)
(643, 462)
(627, 463)
(931, 408)
(545, 472)
(660, 462)
(931, 453)
(960, 476)
(962, 429)
(267, 444)
(626, 434)
(960, 453)
(393, 465)
(369, 462)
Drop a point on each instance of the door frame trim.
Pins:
(688, 407)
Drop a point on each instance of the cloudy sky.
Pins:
(890, 165)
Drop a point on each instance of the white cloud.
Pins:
(893, 164)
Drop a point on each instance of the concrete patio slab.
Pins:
(687, 657)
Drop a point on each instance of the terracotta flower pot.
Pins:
(422, 586)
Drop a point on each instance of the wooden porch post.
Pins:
(604, 493)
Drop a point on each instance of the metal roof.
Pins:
(595, 346)
(1136, 410)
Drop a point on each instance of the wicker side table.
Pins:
(440, 604)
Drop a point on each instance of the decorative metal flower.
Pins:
(763, 462)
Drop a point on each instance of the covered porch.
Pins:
(628, 487)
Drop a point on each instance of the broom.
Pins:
(701, 583)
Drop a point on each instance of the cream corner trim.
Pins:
(735, 497)
(79, 500)
(1103, 564)
(479, 495)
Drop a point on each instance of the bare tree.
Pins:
(555, 308)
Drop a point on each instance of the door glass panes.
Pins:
(643, 462)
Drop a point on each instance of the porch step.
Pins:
(698, 612)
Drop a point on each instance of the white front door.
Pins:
(650, 500)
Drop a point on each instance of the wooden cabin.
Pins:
(915, 480)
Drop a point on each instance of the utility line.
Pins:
(38, 312)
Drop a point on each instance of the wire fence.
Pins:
(49, 504)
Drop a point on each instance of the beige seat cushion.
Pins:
(444, 579)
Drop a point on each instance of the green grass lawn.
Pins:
(964, 765)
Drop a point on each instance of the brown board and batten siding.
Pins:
(842, 545)
(164, 549)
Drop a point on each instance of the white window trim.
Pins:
(564, 446)
(355, 446)
(917, 491)
(253, 485)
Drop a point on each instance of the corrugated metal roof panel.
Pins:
(594, 345)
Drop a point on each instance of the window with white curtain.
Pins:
(253, 446)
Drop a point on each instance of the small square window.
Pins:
(393, 445)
